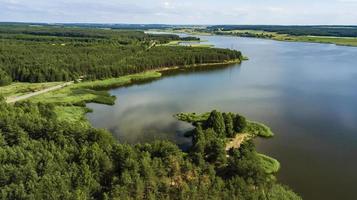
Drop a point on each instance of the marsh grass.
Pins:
(72, 114)
(269, 164)
(258, 129)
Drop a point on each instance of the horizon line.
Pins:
(174, 24)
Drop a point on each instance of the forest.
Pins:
(333, 31)
(44, 158)
(47, 54)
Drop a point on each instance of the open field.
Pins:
(187, 43)
(201, 45)
(186, 31)
(18, 89)
(345, 41)
(32, 94)
(85, 92)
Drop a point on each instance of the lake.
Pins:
(307, 94)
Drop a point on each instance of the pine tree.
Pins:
(5, 79)
(228, 120)
(239, 123)
(216, 122)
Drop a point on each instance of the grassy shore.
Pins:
(70, 101)
(18, 89)
(258, 129)
(192, 43)
(254, 129)
(73, 114)
(270, 165)
(345, 41)
(185, 31)
(92, 91)
(96, 91)
(251, 131)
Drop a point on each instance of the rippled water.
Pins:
(305, 92)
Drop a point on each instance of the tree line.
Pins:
(42, 54)
(334, 31)
(43, 158)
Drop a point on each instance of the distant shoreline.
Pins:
(340, 41)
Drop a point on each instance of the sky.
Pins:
(284, 12)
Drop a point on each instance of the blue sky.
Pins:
(182, 11)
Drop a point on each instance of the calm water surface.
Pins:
(305, 92)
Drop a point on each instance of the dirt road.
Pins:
(237, 141)
(26, 96)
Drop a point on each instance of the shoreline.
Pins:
(116, 82)
(77, 95)
(251, 131)
(165, 69)
(338, 41)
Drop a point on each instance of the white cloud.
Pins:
(182, 11)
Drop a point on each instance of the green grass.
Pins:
(279, 192)
(201, 45)
(192, 117)
(18, 89)
(72, 114)
(251, 31)
(171, 43)
(270, 165)
(91, 91)
(70, 96)
(345, 41)
(185, 30)
(258, 129)
(117, 82)
(255, 129)
(194, 44)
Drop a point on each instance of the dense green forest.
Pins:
(42, 54)
(43, 158)
(335, 31)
